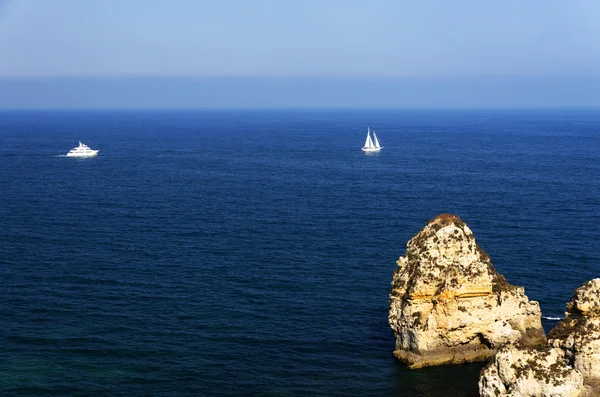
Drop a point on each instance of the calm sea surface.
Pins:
(251, 252)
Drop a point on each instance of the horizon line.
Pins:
(533, 76)
(293, 108)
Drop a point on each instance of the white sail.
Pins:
(376, 141)
(368, 141)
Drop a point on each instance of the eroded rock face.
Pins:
(527, 372)
(578, 334)
(569, 365)
(449, 305)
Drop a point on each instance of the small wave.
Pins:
(552, 318)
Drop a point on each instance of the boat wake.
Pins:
(552, 318)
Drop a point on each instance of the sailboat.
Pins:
(371, 145)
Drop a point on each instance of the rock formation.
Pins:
(449, 305)
(568, 366)
(578, 334)
(526, 372)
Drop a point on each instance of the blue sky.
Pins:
(292, 53)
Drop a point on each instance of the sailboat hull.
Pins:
(370, 149)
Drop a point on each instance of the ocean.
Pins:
(250, 252)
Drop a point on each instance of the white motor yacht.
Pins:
(82, 150)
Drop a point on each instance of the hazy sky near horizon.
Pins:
(430, 40)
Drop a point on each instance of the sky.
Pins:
(299, 53)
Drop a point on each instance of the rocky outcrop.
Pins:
(448, 304)
(568, 366)
(526, 372)
(578, 334)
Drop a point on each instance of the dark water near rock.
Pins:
(251, 252)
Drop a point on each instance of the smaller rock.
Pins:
(578, 334)
(568, 366)
(526, 372)
(586, 299)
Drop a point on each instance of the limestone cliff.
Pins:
(578, 334)
(568, 366)
(526, 372)
(449, 305)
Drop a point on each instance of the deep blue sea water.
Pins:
(218, 253)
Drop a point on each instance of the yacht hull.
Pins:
(95, 152)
